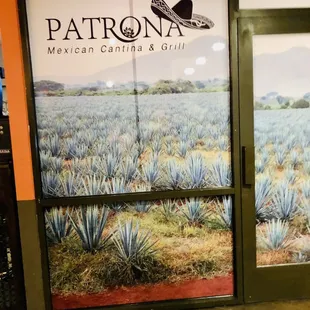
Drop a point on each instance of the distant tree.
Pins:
(272, 94)
(199, 85)
(258, 106)
(142, 86)
(267, 107)
(307, 96)
(301, 104)
(172, 87)
(46, 85)
(287, 104)
(184, 86)
(282, 99)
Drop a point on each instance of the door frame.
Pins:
(274, 282)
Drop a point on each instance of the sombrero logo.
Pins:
(181, 14)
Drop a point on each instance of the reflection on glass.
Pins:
(140, 252)
(282, 142)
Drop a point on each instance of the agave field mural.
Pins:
(142, 251)
(282, 140)
(114, 144)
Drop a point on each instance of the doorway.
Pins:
(274, 111)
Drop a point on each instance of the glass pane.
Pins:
(140, 252)
(142, 105)
(274, 4)
(282, 141)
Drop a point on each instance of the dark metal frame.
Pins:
(274, 282)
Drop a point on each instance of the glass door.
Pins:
(275, 135)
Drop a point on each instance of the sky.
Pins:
(74, 65)
(278, 43)
(290, 78)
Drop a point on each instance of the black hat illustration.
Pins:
(181, 14)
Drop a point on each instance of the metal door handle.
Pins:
(248, 165)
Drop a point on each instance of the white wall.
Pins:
(273, 4)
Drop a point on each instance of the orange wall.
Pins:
(13, 63)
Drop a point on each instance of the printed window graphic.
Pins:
(282, 144)
(128, 100)
(126, 253)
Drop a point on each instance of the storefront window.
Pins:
(134, 100)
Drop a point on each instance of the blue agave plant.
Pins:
(280, 156)
(89, 223)
(305, 188)
(265, 157)
(195, 213)
(276, 235)
(56, 164)
(223, 143)
(196, 171)
(290, 176)
(285, 202)
(110, 165)
(307, 168)
(306, 156)
(151, 171)
(69, 184)
(220, 173)
(295, 159)
(54, 145)
(263, 191)
(224, 210)
(259, 166)
(93, 185)
(169, 207)
(58, 225)
(92, 164)
(45, 160)
(305, 210)
(116, 186)
(132, 245)
(201, 132)
(60, 129)
(50, 184)
(143, 206)
(129, 169)
(169, 146)
(175, 175)
(183, 148)
(290, 143)
(156, 146)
